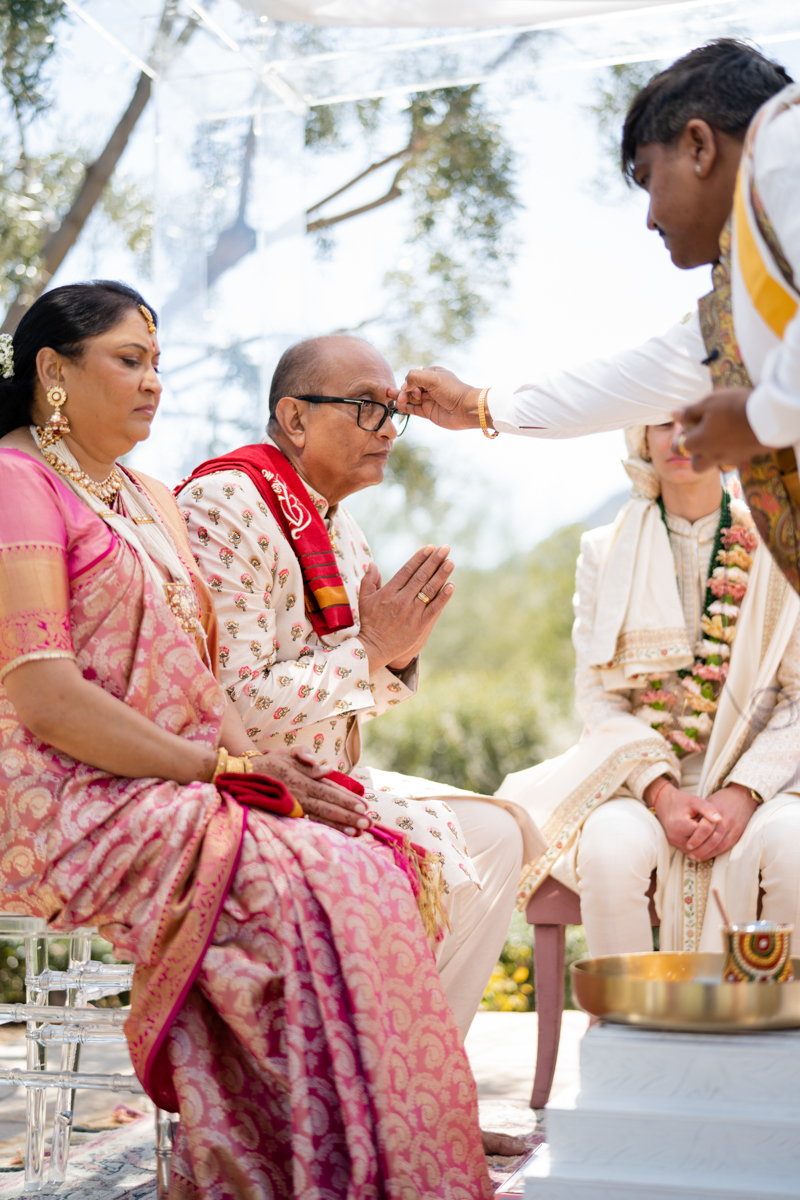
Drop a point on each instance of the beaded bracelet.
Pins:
(493, 433)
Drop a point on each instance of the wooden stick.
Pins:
(721, 907)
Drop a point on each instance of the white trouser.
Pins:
(622, 843)
(479, 920)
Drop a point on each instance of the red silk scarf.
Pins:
(285, 494)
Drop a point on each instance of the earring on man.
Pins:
(58, 424)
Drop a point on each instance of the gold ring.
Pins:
(425, 599)
(682, 445)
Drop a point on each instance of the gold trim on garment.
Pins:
(35, 656)
(567, 818)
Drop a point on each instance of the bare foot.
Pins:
(502, 1143)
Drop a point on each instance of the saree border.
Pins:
(160, 990)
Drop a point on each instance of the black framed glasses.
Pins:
(371, 414)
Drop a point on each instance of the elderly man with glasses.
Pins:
(312, 643)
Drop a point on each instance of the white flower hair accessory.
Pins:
(6, 356)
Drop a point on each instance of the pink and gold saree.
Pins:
(285, 1001)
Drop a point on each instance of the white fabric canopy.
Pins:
(417, 14)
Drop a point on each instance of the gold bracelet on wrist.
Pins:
(235, 764)
(490, 433)
(223, 759)
(239, 765)
(754, 795)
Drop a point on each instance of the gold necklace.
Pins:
(106, 490)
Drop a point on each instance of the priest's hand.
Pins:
(395, 622)
(438, 395)
(685, 817)
(320, 800)
(735, 806)
(718, 432)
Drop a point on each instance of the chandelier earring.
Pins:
(58, 424)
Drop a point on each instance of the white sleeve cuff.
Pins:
(643, 774)
(501, 403)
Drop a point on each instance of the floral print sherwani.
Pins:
(292, 687)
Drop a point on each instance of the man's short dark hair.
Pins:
(300, 369)
(724, 83)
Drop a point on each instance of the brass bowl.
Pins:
(682, 992)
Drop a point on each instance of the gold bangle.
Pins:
(493, 433)
(755, 796)
(238, 765)
(222, 763)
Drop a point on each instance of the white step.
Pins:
(672, 1136)
(626, 1063)
(664, 1115)
(545, 1181)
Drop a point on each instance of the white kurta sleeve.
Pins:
(772, 763)
(593, 702)
(636, 387)
(773, 410)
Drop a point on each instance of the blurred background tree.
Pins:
(614, 90)
(497, 692)
(46, 200)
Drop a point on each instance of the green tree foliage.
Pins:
(27, 42)
(614, 91)
(46, 200)
(511, 987)
(498, 672)
(458, 173)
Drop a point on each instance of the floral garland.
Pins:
(702, 683)
(6, 356)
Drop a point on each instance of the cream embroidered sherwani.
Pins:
(293, 688)
(616, 847)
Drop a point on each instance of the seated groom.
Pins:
(688, 680)
(313, 644)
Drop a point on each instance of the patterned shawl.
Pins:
(286, 496)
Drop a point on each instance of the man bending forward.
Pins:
(313, 644)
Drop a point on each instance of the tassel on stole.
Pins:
(424, 874)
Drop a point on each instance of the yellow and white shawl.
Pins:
(763, 294)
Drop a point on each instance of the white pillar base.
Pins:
(660, 1115)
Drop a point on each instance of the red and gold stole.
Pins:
(770, 481)
(286, 496)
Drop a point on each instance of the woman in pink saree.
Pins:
(285, 1001)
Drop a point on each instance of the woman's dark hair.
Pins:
(62, 319)
(724, 83)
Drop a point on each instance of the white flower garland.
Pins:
(6, 356)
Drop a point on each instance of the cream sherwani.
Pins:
(293, 688)
(621, 843)
(644, 385)
(640, 592)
